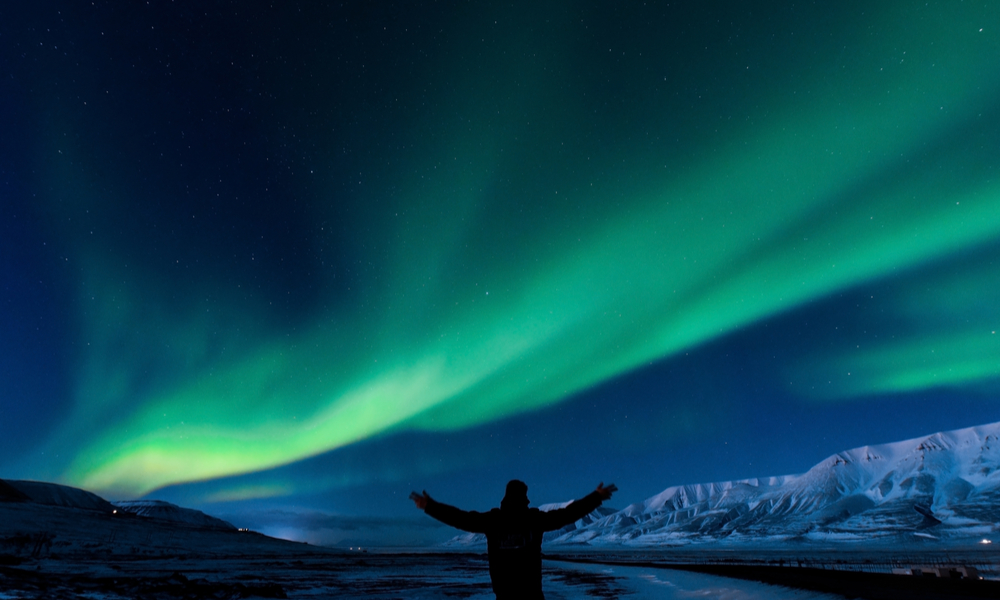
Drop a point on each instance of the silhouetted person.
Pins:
(514, 534)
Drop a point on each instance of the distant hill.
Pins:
(165, 511)
(39, 519)
(53, 494)
(9, 493)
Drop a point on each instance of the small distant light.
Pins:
(985, 541)
(114, 512)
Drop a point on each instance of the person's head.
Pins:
(516, 495)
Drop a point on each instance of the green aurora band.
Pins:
(871, 177)
(947, 338)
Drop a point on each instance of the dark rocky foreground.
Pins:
(320, 575)
(313, 576)
(31, 583)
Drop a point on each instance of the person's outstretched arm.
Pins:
(578, 509)
(466, 520)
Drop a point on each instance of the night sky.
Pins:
(286, 262)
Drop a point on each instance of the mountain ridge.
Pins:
(943, 487)
(939, 486)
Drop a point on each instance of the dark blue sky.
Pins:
(285, 263)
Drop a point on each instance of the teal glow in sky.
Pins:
(280, 234)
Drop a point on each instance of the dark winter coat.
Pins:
(514, 540)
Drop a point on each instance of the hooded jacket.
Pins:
(514, 537)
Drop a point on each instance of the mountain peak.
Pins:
(943, 486)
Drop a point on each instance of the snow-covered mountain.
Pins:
(944, 486)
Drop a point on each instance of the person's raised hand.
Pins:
(420, 500)
(605, 492)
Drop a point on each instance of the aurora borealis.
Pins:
(314, 254)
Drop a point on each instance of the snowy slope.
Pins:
(165, 511)
(943, 486)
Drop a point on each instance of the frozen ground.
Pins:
(355, 575)
(645, 583)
